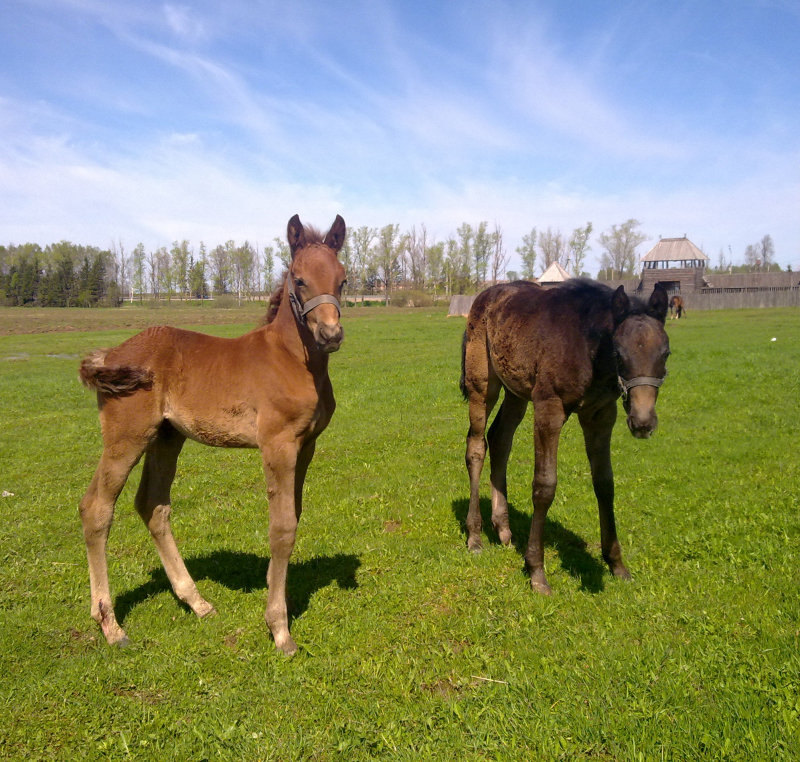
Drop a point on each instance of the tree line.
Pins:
(378, 260)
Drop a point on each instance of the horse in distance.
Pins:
(575, 348)
(677, 308)
(268, 389)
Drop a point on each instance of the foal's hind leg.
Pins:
(154, 506)
(481, 403)
(97, 512)
(501, 437)
(597, 437)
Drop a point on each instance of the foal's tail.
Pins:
(463, 380)
(115, 380)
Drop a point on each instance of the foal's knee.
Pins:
(544, 491)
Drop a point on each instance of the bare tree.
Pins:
(361, 244)
(499, 257)
(481, 251)
(386, 254)
(163, 272)
(138, 277)
(243, 268)
(152, 272)
(415, 245)
(455, 266)
(121, 269)
(578, 248)
(466, 236)
(620, 248)
(553, 248)
(435, 258)
(220, 269)
(527, 253)
(269, 269)
(283, 252)
(180, 256)
(766, 251)
(722, 263)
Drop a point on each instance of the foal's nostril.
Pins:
(330, 335)
(642, 429)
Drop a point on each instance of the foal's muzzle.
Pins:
(329, 336)
(640, 405)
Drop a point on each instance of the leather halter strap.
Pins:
(301, 309)
(625, 385)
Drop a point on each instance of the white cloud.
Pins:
(184, 23)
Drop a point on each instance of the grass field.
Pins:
(410, 647)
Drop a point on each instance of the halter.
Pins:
(301, 309)
(625, 385)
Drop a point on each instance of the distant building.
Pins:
(677, 264)
(553, 275)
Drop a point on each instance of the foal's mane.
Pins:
(274, 301)
(313, 236)
(590, 295)
(591, 302)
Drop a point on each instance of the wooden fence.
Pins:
(707, 299)
(730, 299)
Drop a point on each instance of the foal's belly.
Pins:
(232, 426)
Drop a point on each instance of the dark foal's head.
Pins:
(641, 347)
(315, 280)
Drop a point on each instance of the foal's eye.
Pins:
(299, 282)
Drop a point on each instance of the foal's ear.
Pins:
(620, 305)
(295, 234)
(657, 306)
(335, 236)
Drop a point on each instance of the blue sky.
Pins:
(155, 121)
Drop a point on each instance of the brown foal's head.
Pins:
(641, 347)
(315, 280)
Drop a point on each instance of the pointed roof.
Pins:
(555, 273)
(674, 249)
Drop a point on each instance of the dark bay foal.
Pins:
(571, 349)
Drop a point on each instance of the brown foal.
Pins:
(571, 349)
(267, 389)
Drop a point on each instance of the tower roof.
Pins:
(674, 249)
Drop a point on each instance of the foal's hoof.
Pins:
(622, 573)
(202, 608)
(539, 583)
(505, 536)
(288, 647)
(114, 634)
(474, 545)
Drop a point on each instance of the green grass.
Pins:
(411, 648)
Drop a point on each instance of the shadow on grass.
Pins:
(248, 572)
(572, 551)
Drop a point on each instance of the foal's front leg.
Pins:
(280, 462)
(597, 438)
